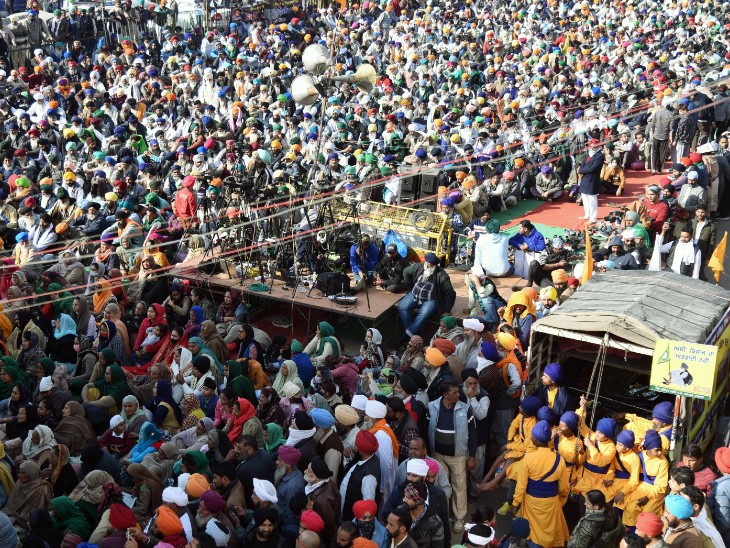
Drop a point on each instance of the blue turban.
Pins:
(546, 414)
(448, 202)
(652, 440)
(332, 156)
(530, 405)
(542, 432)
(664, 412)
(489, 351)
(322, 418)
(678, 506)
(571, 420)
(607, 427)
(627, 438)
(21, 236)
(554, 371)
(420, 153)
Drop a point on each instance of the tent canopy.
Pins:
(638, 306)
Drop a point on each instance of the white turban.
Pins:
(114, 421)
(473, 324)
(359, 402)
(375, 410)
(175, 495)
(265, 490)
(417, 467)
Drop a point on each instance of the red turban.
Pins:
(722, 459)
(365, 442)
(650, 523)
(445, 346)
(311, 520)
(362, 507)
(213, 501)
(121, 517)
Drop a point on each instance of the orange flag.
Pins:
(716, 262)
(588, 264)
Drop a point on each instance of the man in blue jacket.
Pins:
(590, 179)
(363, 256)
(528, 243)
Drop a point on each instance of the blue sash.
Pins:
(542, 489)
(623, 473)
(646, 478)
(593, 468)
(667, 434)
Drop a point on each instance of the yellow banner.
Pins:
(684, 369)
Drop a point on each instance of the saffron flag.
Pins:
(716, 262)
(588, 265)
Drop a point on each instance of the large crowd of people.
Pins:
(138, 410)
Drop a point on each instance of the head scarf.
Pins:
(63, 456)
(16, 377)
(409, 355)
(65, 326)
(83, 316)
(326, 335)
(519, 298)
(276, 437)
(46, 442)
(90, 489)
(293, 375)
(149, 434)
(201, 463)
(247, 412)
(117, 388)
(129, 419)
(164, 395)
(112, 328)
(68, 517)
(142, 476)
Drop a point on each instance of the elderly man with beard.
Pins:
(226, 482)
(468, 349)
(211, 507)
(361, 480)
(375, 422)
(92, 223)
(346, 419)
(329, 445)
(417, 470)
(264, 496)
(265, 532)
(288, 479)
(177, 500)
(431, 291)
(402, 424)
(323, 495)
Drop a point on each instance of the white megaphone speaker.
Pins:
(303, 90)
(364, 78)
(315, 59)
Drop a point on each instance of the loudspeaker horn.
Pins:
(303, 90)
(315, 59)
(364, 78)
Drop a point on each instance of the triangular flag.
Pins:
(716, 262)
(664, 357)
(588, 265)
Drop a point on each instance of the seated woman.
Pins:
(109, 392)
(287, 373)
(150, 440)
(269, 409)
(161, 463)
(68, 518)
(109, 339)
(293, 401)
(244, 421)
(236, 377)
(30, 356)
(155, 315)
(165, 412)
(24, 325)
(74, 431)
(133, 416)
(60, 347)
(57, 372)
(89, 493)
(22, 417)
(195, 462)
(323, 344)
(449, 330)
(181, 367)
(83, 317)
(193, 439)
(142, 386)
(231, 314)
(37, 445)
(148, 490)
(32, 492)
(200, 351)
(58, 470)
(199, 373)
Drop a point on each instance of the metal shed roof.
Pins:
(641, 306)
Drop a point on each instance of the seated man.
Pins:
(491, 250)
(363, 259)
(552, 258)
(527, 243)
(430, 289)
(389, 271)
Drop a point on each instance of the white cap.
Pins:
(473, 324)
(375, 410)
(175, 495)
(215, 529)
(693, 175)
(45, 385)
(115, 420)
(359, 402)
(265, 490)
(417, 467)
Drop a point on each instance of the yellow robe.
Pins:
(519, 435)
(551, 393)
(659, 468)
(630, 461)
(603, 455)
(639, 426)
(566, 448)
(547, 522)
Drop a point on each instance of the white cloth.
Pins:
(522, 262)
(367, 486)
(590, 206)
(295, 436)
(705, 526)
(490, 255)
(388, 462)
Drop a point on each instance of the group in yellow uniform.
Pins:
(627, 471)
(661, 422)
(649, 494)
(600, 453)
(569, 445)
(541, 490)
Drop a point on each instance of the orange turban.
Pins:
(446, 346)
(197, 485)
(167, 521)
(362, 542)
(435, 357)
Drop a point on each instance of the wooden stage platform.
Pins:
(382, 303)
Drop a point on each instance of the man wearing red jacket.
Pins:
(185, 204)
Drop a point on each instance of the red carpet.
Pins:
(566, 214)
